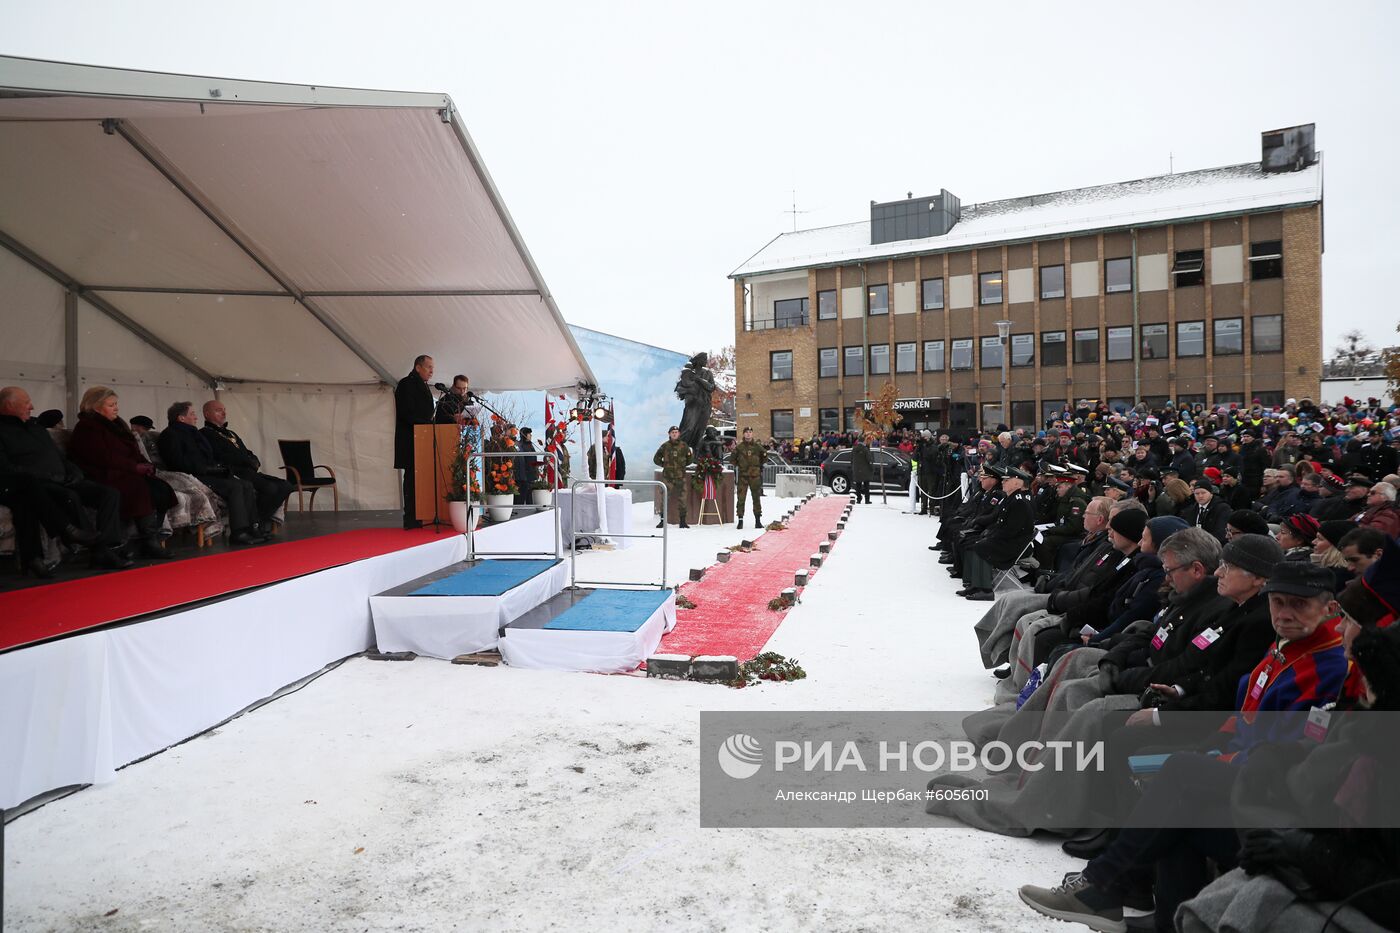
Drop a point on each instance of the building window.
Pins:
(1228, 398)
(1268, 334)
(789, 312)
(1266, 260)
(1023, 415)
(1186, 401)
(1190, 338)
(1086, 346)
(1052, 348)
(1120, 343)
(1229, 336)
(1154, 342)
(1120, 405)
(1051, 411)
(780, 365)
(782, 422)
(1022, 351)
(962, 354)
(1189, 268)
(826, 305)
(829, 420)
(880, 359)
(990, 284)
(992, 351)
(933, 356)
(1269, 399)
(991, 416)
(1052, 282)
(933, 294)
(879, 298)
(851, 419)
(1118, 275)
(904, 357)
(855, 361)
(828, 362)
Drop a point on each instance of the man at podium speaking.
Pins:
(413, 404)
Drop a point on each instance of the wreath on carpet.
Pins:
(768, 666)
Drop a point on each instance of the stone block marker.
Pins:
(799, 577)
(669, 666)
(714, 667)
(696, 574)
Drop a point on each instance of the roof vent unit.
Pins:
(914, 218)
(1290, 149)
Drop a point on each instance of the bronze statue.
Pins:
(711, 445)
(696, 388)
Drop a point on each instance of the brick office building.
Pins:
(1199, 286)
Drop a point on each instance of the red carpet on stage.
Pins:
(43, 612)
(731, 614)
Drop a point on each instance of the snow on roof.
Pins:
(1232, 189)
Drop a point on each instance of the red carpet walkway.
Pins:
(731, 614)
(41, 612)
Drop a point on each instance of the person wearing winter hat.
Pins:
(1296, 534)
(1160, 529)
(1245, 522)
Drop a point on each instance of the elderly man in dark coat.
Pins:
(413, 405)
(860, 469)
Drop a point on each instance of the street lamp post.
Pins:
(1004, 329)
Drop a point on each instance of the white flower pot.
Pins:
(499, 506)
(540, 496)
(457, 513)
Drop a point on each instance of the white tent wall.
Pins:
(350, 429)
(31, 318)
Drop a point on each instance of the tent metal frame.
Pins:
(39, 78)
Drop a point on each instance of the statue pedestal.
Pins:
(724, 494)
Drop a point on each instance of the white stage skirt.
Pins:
(74, 710)
(446, 626)
(597, 652)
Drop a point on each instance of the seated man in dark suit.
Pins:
(185, 449)
(47, 489)
(230, 450)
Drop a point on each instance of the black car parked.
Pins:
(836, 471)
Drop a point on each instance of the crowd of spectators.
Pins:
(1226, 564)
(115, 488)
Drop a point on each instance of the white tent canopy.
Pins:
(292, 247)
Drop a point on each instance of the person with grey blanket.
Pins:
(994, 629)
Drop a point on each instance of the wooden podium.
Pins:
(426, 466)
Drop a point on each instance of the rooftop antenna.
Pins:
(794, 212)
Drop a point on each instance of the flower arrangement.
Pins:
(501, 477)
(464, 478)
(707, 468)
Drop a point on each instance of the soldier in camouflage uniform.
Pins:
(1073, 501)
(673, 456)
(747, 460)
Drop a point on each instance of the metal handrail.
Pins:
(574, 582)
(472, 552)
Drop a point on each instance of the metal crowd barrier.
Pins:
(472, 552)
(574, 582)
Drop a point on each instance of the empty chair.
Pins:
(296, 461)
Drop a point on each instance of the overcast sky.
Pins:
(645, 150)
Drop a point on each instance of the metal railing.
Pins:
(483, 456)
(771, 471)
(574, 582)
(776, 323)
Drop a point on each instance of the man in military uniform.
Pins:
(1071, 503)
(673, 456)
(747, 459)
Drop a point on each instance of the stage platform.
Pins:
(81, 702)
(461, 608)
(605, 631)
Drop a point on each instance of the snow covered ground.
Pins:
(427, 796)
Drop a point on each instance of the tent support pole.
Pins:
(70, 354)
(105, 306)
(157, 160)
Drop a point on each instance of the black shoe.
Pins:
(964, 591)
(150, 549)
(661, 524)
(1086, 846)
(1143, 923)
(740, 525)
(683, 524)
(411, 524)
(980, 596)
(39, 569)
(242, 538)
(758, 522)
(1002, 673)
(946, 559)
(108, 559)
(73, 535)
